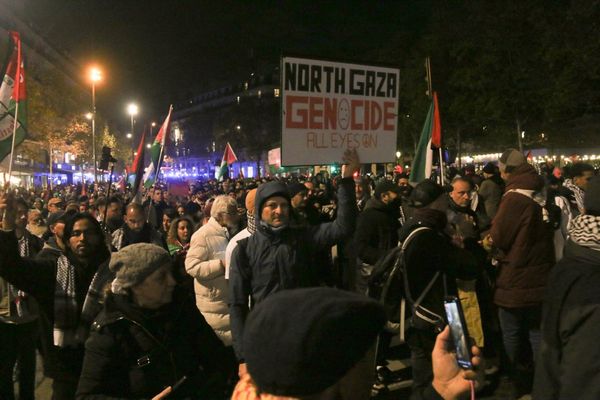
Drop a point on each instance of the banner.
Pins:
(329, 107)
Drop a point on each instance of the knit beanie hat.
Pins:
(296, 188)
(511, 159)
(134, 263)
(489, 168)
(426, 192)
(300, 342)
(591, 199)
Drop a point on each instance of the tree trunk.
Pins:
(258, 164)
(458, 148)
(519, 141)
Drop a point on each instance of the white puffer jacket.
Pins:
(203, 263)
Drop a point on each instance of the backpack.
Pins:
(391, 272)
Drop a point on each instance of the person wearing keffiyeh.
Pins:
(68, 289)
(18, 319)
(568, 364)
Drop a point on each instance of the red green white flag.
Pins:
(12, 99)
(431, 137)
(157, 151)
(229, 158)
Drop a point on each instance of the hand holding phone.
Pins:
(459, 332)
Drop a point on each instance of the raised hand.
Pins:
(351, 163)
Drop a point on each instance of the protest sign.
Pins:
(329, 107)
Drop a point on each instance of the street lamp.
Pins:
(95, 76)
(132, 110)
(129, 136)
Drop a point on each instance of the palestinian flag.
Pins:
(12, 98)
(157, 151)
(228, 159)
(431, 137)
(136, 171)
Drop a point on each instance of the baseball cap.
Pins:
(511, 158)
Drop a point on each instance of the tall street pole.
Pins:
(94, 130)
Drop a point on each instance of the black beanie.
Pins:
(426, 192)
(300, 342)
(489, 168)
(296, 188)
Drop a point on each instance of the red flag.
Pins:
(229, 156)
(436, 131)
(15, 63)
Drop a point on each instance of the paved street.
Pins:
(399, 364)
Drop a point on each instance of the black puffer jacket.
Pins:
(137, 353)
(268, 261)
(568, 366)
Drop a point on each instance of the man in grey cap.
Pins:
(525, 255)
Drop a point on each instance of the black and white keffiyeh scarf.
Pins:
(17, 298)
(585, 231)
(577, 192)
(70, 328)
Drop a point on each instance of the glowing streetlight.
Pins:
(132, 110)
(148, 145)
(95, 75)
(129, 136)
(89, 116)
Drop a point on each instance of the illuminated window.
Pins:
(238, 99)
(260, 93)
(245, 85)
(276, 92)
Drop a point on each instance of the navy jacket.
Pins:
(267, 261)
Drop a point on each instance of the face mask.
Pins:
(396, 203)
(405, 191)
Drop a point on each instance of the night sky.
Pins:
(160, 52)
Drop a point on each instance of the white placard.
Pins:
(328, 107)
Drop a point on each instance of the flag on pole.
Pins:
(12, 98)
(431, 137)
(137, 166)
(157, 151)
(228, 159)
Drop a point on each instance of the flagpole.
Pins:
(158, 165)
(12, 147)
(162, 145)
(17, 100)
(430, 95)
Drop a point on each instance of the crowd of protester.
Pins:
(262, 288)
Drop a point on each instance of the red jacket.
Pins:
(519, 231)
